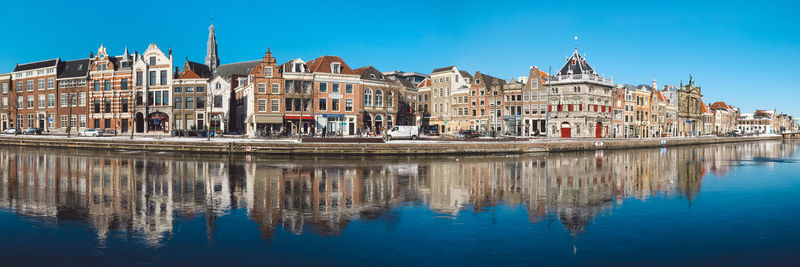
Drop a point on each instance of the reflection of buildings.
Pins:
(144, 196)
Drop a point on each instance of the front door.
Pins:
(124, 125)
(598, 130)
(41, 123)
(565, 130)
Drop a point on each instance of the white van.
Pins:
(410, 132)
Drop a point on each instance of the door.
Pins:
(598, 130)
(124, 125)
(565, 130)
(41, 123)
(139, 123)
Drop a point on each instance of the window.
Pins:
(323, 104)
(177, 89)
(152, 77)
(218, 101)
(19, 86)
(157, 98)
(335, 88)
(163, 77)
(201, 89)
(268, 72)
(262, 105)
(107, 123)
(200, 123)
(5, 102)
(82, 121)
(165, 98)
(276, 88)
(336, 67)
(335, 104)
(189, 89)
(262, 88)
(107, 105)
(348, 88)
(323, 87)
(348, 105)
(20, 102)
(378, 98)
(30, 102)
(5, 88)
(96, 86)
(29, 85)
(97, 106)
(124, 105)
(189, 102)
(123, 84)
(390, 99)
(40, 84)
(139, 78)
(64, 120)
(152, 61)
(367, 97)
(41, 101)
(107, 85)
(276, 105)
(51, 83)
(178, 102)
(201, 102)
(82, 99)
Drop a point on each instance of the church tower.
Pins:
(212, 59)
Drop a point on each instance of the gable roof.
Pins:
(442, 69)
(323, 64)
(74, 68)
(719, 105)
(238, 68)
(465, 74)
(36, 65)
(370, 73)
(703, 107)
(425, 83)
(489, 81)
(576, 64)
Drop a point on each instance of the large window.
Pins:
(178, 102)
(334, 104)
(276, 105)
(323, 87)
(42, 101)
(29, 85)
(268, 72)
(276, 88)
(390, 99)
(19, 86)
(40, 84)
(5, 102)
(218, 101)
(348, 88)
(165, 98)
(96, 86)
(262, 105)
(51, 83)
(163, 77)
(107, 105)
(107, 85)
(201, 102)
(152, 77)
(139, 78)
(124, 105)
(30, 102)
(189, 102)
(335, 88)
(97, 106)
(5, 88)
(20, 102)
(348, 105)
(378, 98)
(368, 97)
(123, 84)
(82, 99)
(323, 104)
(262, 88)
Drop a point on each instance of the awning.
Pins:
(297, 117)
(268, 118)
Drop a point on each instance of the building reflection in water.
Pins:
(141, 194)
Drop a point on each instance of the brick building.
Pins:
(190, 97)
(379, 109)
(486, 103)
(7, 101)
(34, 81)
(337, 94)
(267, 96)
(110, 94)
(72, 90)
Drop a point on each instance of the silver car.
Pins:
(91, 132)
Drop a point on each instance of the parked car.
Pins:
(11, 130)
(33, 131)
(432, 130)
(470, 134)
(410, 132)
(91, 132)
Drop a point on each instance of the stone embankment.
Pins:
(418, 147)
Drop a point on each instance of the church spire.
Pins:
(212, 59)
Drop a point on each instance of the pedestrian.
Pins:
(325, 131)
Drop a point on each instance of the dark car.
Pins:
(34, 131)
(432, 130)
(470, 134)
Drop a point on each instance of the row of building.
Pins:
(147, 94)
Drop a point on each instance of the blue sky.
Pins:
(744, 53)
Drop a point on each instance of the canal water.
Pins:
(718, 204)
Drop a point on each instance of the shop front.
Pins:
(338, 124)
(290, 123)
(158, 121)
(264, 123)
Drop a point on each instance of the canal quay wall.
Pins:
(419, 147)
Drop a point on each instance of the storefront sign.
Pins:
(332, 115)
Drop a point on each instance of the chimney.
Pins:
(91, 54)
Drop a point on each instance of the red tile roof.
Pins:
(323, 64)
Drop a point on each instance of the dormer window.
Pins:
(152, 61)
(336, 67)
(268, 72)
(298, 67)
(372, 76)
(478, 81)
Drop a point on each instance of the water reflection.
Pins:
(142, 195)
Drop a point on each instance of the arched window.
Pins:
(378, 99)
(367, 97)
(390, 99)
(389, 122)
